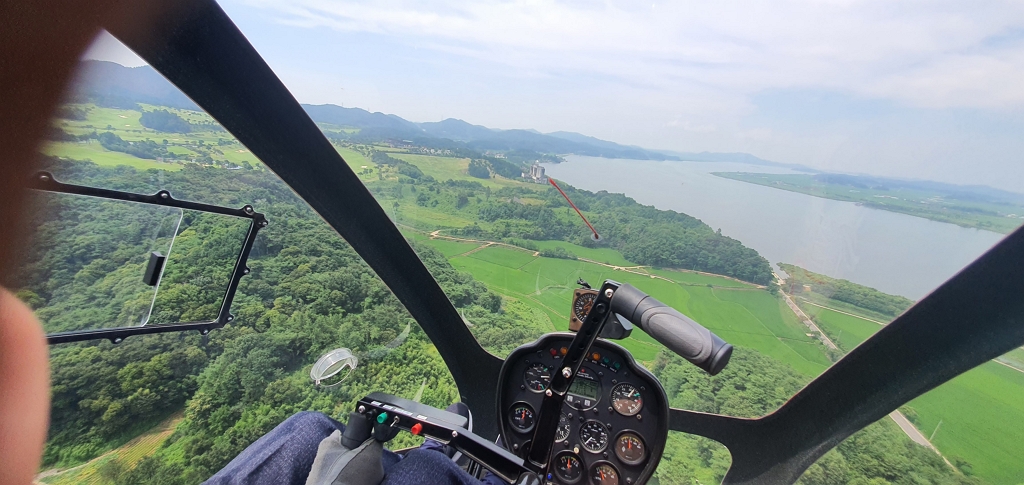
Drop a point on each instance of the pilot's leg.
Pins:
(427, 467)
(285, 454)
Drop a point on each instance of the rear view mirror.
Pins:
(105, 264)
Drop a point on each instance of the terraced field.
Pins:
(128, 455)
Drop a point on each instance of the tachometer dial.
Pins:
(568, 467)
(562, 433)
(521, 417)
(629, 448)
(604, 474)
(593, 436)
(537, 377)
(581, 307)
(626, 399)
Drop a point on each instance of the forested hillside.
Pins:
(308, 292)
(643, 234)
(808, 283)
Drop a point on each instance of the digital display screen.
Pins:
(584, 388)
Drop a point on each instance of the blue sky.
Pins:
(931, 90)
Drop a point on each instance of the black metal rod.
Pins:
(561, 379)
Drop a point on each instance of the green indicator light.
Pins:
(382, 417)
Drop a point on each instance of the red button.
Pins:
(416, 429)
(554, 352)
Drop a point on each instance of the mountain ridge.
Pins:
(113, 85)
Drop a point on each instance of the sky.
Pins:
(916, 89)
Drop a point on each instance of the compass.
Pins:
(582, 300)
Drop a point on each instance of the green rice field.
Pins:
(746, 317)
(980, 411)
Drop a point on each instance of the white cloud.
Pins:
(923, 53)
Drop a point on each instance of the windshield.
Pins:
(791, 178)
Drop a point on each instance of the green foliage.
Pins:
(505, 168)
(479, 169)
(753, 385)
(143, 149)
(163, 120)
(557, 252)
(642, 234)
(845, 291)
(403, 167)
(307, 293)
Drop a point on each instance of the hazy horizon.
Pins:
(924, 91)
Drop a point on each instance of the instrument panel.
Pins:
(614, 420)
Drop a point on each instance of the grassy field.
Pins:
(444, 168)
(847, 331)
(750, 318)
(206, 138)
(92, 151)
(129, 454)
(980, 410)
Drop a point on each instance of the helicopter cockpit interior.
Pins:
(569, 407)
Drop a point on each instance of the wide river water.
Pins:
(892, 252)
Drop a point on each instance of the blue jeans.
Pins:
(285, 455)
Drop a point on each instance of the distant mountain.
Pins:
(114, 85)
(457, 130)
(587, 140)
(109, 81)
(360, 118)
(738, 157)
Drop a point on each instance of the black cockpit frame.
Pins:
(974, 317)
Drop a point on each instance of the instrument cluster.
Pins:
(614, 420)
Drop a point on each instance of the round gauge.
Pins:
(593, 436)
(568, 467)
(626, 399)
(581, 307)
(604, 473)
(562, 433)
(521, 417)
(630, 448)
(537, 377)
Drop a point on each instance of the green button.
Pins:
(382, 417)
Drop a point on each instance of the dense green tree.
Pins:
(163, 120)
(479, 169)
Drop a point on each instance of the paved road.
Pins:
(807, 321)
(916, 435)
(911, 430)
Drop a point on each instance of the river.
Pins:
(892, 252)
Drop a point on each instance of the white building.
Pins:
(536, 174)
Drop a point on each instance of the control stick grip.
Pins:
(674, 330)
